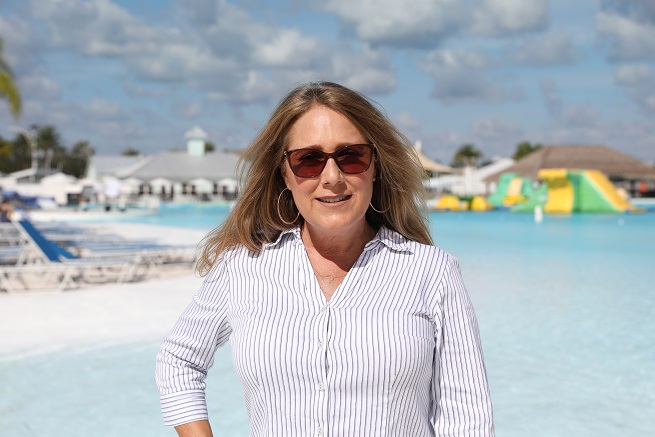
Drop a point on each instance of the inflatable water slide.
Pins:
(517, 193)
(581, 191)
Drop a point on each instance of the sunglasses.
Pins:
(351, 159)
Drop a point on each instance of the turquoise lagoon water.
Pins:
(567, 316)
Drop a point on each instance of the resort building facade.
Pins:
(184, 175)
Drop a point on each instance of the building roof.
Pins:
(115, 165)
(175, 166)
(179, 166)
(428, 164)
(196, 132)
(613, 163)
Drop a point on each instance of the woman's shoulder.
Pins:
(396, 240)
(241, 259)
(240, 253)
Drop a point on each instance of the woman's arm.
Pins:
(462, 405)
(187, 352)
(201, 428)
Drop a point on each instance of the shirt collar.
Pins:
(294, 234)
(392, 239)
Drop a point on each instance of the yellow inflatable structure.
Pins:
(581, 191)
(451, 203)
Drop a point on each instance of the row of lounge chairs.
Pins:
(60, 257)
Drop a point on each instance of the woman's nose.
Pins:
(331, 173)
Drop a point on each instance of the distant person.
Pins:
(6, 211)
(84, 205)
(344, 318)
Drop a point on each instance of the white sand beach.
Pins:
(95, 315)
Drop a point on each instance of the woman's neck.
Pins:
(345, 245)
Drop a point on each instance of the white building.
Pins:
(173, 175)
(471, 181)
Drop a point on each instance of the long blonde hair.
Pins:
(255, 219)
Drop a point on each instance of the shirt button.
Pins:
(321, 387)
(319, 431)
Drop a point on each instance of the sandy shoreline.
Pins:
(38, 322)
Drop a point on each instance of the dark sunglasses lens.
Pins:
(354, 159)
(307, 163)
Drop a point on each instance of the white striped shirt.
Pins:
(394, 352)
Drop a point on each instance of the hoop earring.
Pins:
(377, 210)
(280, 214)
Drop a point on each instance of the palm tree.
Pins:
(523, 149)
(131, 151)
(8, 89)
(467, 155)
(49, 141)
(77, 161)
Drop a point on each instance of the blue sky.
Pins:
(447, 72)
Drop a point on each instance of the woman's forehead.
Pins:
(322, 127)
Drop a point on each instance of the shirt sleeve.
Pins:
(188, 351)
(462, 405)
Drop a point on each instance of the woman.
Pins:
(344, 319)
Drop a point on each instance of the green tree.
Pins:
(48, 142)
(524, 148)
(467, 155)
(131, 151)
(14, 155)
(6, 155)
(8, 88)
(77, 161)
(209, 147)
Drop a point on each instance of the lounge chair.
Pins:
(57, 265)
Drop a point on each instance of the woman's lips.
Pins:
(333, 199)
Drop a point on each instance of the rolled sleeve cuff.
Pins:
(183, 407)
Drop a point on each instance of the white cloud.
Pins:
(105, 110)
(21, 44)
(552, 49)
(459, 59)
(554, 102)
(642, 11)
(38, 87)
(223, 51)
(371, 81)
(107, 127)
(408, 23)
(368, 72)
(639, 83)
(427, 23)
(459, 78)
(94, 28)
(287, 49)
(634, 74)
(405, 120)
(496, 131)
(637, 136)
(629, 40)
(141, 91)
(46, 113)
(506, 17)
(200, 12)
(579, 115)
(187, 109)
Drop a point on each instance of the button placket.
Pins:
(321, 385)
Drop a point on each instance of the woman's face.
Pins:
(332, 202)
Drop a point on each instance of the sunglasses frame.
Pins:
(332, 155)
